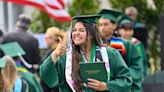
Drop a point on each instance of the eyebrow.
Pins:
(80, 28)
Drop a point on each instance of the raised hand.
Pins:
(60, 49)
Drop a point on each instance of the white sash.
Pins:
(68, 68)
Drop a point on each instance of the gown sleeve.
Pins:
(120, 79)
(142, 52)
(51, 73)
(134, 62)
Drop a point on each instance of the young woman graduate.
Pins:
(62, 67)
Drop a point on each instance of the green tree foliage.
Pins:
(82, 7)
(151, 18)
(41, 21)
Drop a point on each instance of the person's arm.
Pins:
(120, 79)
(52, 67)
(144, 56)
(48, 72)
(134, 61)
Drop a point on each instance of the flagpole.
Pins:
(2, 18)
(10, 17)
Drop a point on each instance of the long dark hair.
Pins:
(92, 30)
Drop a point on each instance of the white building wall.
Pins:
(2, 21)
(9, 13)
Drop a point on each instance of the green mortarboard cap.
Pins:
(2, 63)
(12, 49)
(109, 14)
(86, 18)
(123, 20)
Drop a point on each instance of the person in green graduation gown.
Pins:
(14, 50)
(62, 67)
(107, 27)
(9, 80)
(125, 29)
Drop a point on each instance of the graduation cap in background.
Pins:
(13, 49)
(125, 22)
(2, 63)
(112, 15)
(86, 18)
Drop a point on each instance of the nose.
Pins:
(75, 33)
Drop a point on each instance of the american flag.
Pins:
(54, 8)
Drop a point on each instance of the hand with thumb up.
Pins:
(60, 49)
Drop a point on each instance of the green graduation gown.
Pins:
(34, 85)
(142, 52)
(132, 58)
(134, 62)
(120, 80)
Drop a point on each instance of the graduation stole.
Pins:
(68, 69)
(117, 43)
(20, 67)
(92, 57)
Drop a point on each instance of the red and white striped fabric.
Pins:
(54, 8)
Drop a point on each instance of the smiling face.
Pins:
(79, 34)
(126, 33)
(106, 28)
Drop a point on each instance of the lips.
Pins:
(103, 32)
(77, 38)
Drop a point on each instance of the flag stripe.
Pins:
(55, 12)
(61, 2)
(53, 4)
